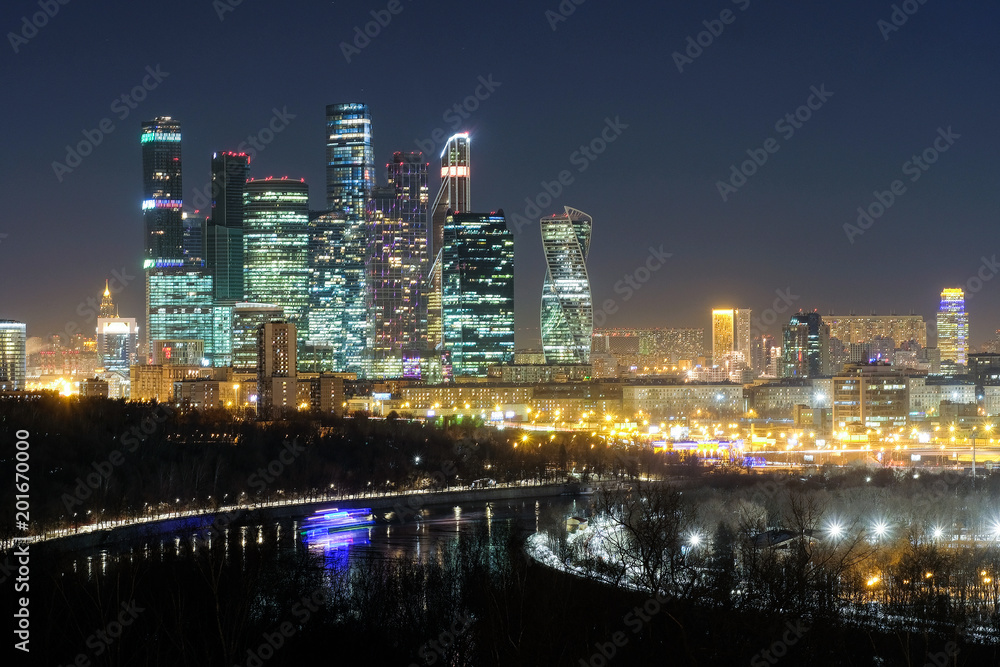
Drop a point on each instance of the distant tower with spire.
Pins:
(107, 305)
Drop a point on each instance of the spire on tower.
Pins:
(107, 305)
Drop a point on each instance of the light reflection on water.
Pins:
(425, 537)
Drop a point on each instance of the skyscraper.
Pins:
(224, 233)
(13, 355)
(327, 288)
(478, 291)
(162, 202)
(806, 346)
(453, 195)
(276, 245)
(953, 327)
(179, 303)
(723, 333)
(455, 192)
(117, 338)
(350, 177)
(396, 264)
(742, 342)
(567, 318)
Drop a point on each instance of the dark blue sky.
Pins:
(655, 184)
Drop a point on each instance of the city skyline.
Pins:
(851, 149)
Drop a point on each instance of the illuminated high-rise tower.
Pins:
(453, 195)
(723, 333)
(953, 327)
(224, 232)
(350, 177)
(805, 346)
(162, 188)
(742, 341)
(567, 317)
(396, 264)
(478, 291)
(275, 245)
(175, 281)
(107, 305)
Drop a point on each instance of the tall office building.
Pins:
(806, 346)
(455, 191)
(478, 291)
(743, 342)
(723, 333)
(953, 327)
(224, 232)
(396, 265)
(453, 195)
(567, 317)
(327, 288)
(162, 202)
(247, 318)
(13, 355)
(276, 368)
(117, 337)
(350, 177)
(179, 303)
(276, 245)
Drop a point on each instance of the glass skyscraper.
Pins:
(477, 272)
(276, 244)
(224, 234)
(350, 177)
(805, 346)
(567, 317)
(13, 355)
(396, 264)
(327, 290)
(453, 195)
(162, 206)
(179, 303)
(953, 327)
(162, 188)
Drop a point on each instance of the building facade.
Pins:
(723, 333)
(350, 178)
(953, 327)
(276, 245)
(13, 355)
(396, 265)
(179, 303)
(454, 194)
(567, 317)
(224, 231)
(805, 346)
(162, 203)
(478, 291)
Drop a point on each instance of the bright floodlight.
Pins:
(938, 532)
(835, 529)
(880, 528)
(695, 539)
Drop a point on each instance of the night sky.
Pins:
(655, 184)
